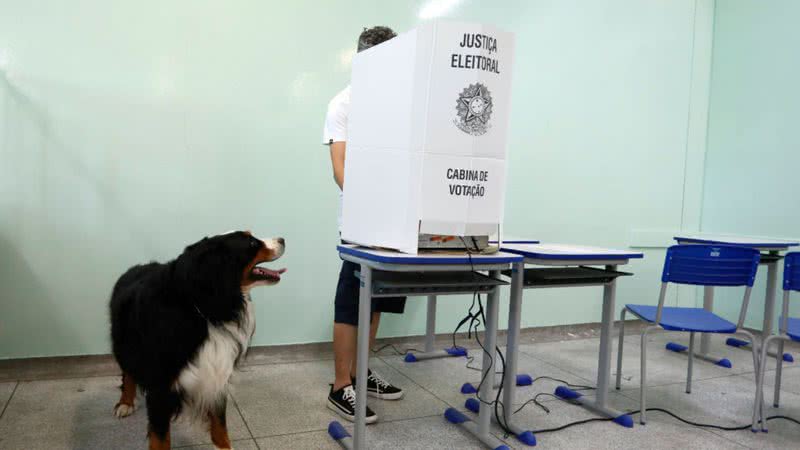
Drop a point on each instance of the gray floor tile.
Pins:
(729, 402)
(443, 377)
(659, 433)
(310, 440)
(741, 358)
(285, 354)
(790, 380)
(579, 357)
(422, 433)
(244, 444)
(77, 414)
(532, 417)
(282, 399)
(724, 401)
(5, 393)
(525, 365)
(538, 368)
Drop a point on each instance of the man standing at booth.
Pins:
(342, 397)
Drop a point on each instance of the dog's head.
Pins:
(217, 270)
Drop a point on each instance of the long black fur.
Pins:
(160, 315)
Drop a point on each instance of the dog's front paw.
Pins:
(123, 410)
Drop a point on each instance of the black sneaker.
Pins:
(343, 402)
(379, 388)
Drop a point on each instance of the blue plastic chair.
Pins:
(701, 265)
(789, 330)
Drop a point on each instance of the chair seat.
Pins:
(794, 328)
(685, 319)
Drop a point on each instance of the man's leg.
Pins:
(344, 352)
(373, 331)
(342, 397)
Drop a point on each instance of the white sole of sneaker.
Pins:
(395, 396)
(333, 407)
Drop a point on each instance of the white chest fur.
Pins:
(204, 382)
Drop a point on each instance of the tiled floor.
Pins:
(280, 403)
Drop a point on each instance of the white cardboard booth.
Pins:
(427, 130)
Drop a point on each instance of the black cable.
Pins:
(469, 316)
(535, 399)
(572, 424)
(701, 425)
(578, 387)
(396, 350)
(474, 321)
(483, 348)
(673, 415)
(790, 419)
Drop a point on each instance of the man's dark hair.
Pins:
(374, 36)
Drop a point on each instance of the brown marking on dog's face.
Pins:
(241, 252)
(265, 251)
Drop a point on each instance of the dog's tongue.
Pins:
(269, 273)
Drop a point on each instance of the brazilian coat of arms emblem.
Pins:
(474, 109)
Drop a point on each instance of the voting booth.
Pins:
(426, 139)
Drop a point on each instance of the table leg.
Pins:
(600, 404)
(489, 359)
(769, 315)
(430, 337)
(364, 313)
(430, 324)
(512, 346)
(335, 429)
(512, 356)
(480, 429)
(511, 377)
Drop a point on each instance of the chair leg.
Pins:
(643, 377)
(776, 399)
(691, 364)
(619, 347)
(761, 366)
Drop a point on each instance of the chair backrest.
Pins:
(791, 272)
(710, 265)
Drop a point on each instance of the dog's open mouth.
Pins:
(264, 274)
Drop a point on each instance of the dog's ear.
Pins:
(192, 247)
(211, 281)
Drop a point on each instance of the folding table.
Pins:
(564, 266)
(391, 274)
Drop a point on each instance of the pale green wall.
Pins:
(129, 129)
(751, 179)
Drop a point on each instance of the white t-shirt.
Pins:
(336, 128)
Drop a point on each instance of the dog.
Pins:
(180, 329)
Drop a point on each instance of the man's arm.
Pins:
(337, 161)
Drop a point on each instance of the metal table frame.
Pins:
(541, 256)
(376, 260)
(430, 329)
(772, 248)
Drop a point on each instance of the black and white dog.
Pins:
(180, 329)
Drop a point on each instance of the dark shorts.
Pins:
(347, 297)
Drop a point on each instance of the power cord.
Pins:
(535, 400)
(395, 349)
(675, 416)
(474, 320)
